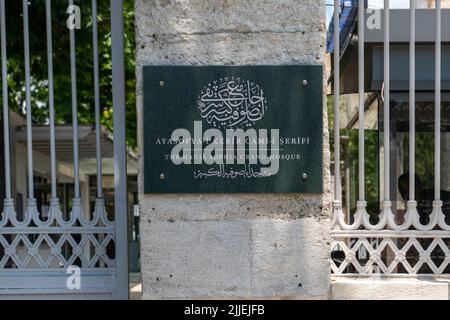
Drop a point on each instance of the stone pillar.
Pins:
(228, 245)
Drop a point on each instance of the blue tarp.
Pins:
(347, 25)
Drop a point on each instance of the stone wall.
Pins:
(210, 246)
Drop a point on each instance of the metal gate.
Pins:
(83, 255)
(387, 243)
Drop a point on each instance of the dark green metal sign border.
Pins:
(293, 105)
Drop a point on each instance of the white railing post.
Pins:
(338, 215)
(51, 99)
(77, 208)
(386, 212)
(99, 211)
(120, 155)
(337, 143)
(31, 211)
(28, 100)
(5, 104)
(361, 212)
(97, 99)
(437, 150)
(412, 215)
(437, 204)
(412, 102)
(54, 210)
(386, 51)
(8, 202)
(361, 114)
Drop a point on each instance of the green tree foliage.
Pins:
(424, 158)
(350, 150)
(371, 163)
(61, 46)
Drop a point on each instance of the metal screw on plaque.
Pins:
(161, 83)
(305, 176)
(162, 176)
(305, 83)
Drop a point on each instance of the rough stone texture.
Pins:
(241, 258)
(199, 259)
(199, 207)
(290, 258)
(274, 246)
(391, 289)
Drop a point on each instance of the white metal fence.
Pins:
(361, 244)
(36, 251)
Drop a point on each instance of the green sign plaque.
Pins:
(237, 129)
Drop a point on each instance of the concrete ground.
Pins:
(135, 286)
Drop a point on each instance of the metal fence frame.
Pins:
(101, 276)
(377, 239)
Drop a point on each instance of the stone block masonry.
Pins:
(233, 245)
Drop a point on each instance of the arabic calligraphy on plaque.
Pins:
(232, 102)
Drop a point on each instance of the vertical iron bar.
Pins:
(97, 100)
(73, 72)
(5, 103)
(361, 98)
(412, 102)
(28, 100)
(386, 102)
(120, 167)
(437, 174)
(51, 100)
(337, 144)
